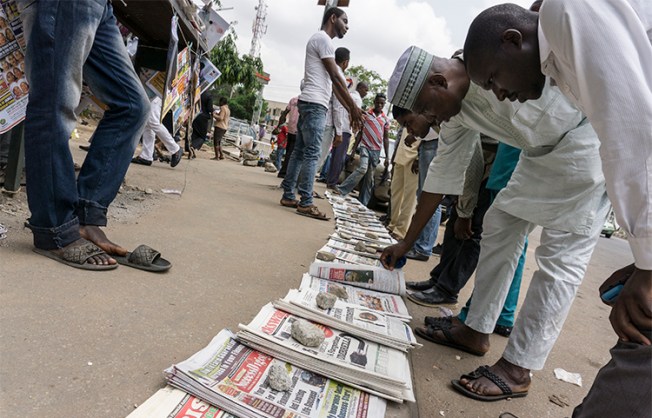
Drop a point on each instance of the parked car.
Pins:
(610, 225)
(240, 132)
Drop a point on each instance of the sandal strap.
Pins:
(439, 322)
(483, 371)
(143, 255)
(81, 253)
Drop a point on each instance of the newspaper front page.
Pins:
(343, 256)
(368, 277)
(377, 301)
(353, 318)
(228, 370)
(174, 403)
(380, 367)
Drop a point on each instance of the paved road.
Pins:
(81, 344)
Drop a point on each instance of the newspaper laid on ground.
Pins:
(234, 378)
(350, 317)
(174, 403)
(372, 367)
(385, 303)
(368, 277)
(349, 257)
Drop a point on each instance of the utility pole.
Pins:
(259, 28)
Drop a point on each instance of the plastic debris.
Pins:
(171, 191)
(573, 378)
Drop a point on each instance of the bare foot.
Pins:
(517, 378)
(100, 259)
(95, 235)
(463, 335)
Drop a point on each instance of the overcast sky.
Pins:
(379, 31)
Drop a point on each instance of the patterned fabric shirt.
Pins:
(374, 130)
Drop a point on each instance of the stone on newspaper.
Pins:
(326, 300)
(370, 235)
(370, 249)
(278, 377)
(270, 168)
(360, 246)
(338, 291)
(325, 256)
(344, 235)
(307, 334)
(354, 216)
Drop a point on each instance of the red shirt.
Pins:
(373, 130)
(282, 137)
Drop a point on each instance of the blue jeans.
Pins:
(280, 152)
(369, 159)
(65, 40)
(428, 236)
(307, 149)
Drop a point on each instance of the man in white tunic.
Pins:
(558, 184)
(599, 53)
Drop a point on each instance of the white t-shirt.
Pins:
(318, 86)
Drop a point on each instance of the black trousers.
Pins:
(459, 258)
(288, 152)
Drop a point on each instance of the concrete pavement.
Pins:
(82, 344)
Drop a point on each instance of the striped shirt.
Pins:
(374, 130)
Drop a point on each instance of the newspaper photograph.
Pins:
(357, 319)
(238, 373)
(388, 304)
(174, 403)
(368, 277)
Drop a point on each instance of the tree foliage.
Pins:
(375, 82)
(236, 69)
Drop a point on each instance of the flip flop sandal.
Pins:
(438, 322)
(289, 203)
(78, 256)
(317, 195)
(448, 340)
(312, 212)
(144, 258)
(483, 371)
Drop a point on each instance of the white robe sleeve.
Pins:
(601, 58)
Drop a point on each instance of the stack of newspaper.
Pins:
(367, 277)
(235, 377)
(174, 403)
(362, 364)
(350, 317)
(384, 303)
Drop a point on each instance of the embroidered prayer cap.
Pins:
(409, 76)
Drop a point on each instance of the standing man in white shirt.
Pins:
(321, 79)
(599, 53)
(339, 152)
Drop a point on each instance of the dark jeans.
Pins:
(459, 258)
(288, 153)
(338, 159)
(66, 39)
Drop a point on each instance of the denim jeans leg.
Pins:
(60, 35)
(354, 178)
(428, 235)
(294, 163)
(279, 157)
(313, 132)
(303, 163)
(367, 186)
(338, 156)
(112, 78)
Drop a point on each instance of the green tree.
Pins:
(236, 70)
(375, 82)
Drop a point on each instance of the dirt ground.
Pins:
(84, 344)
